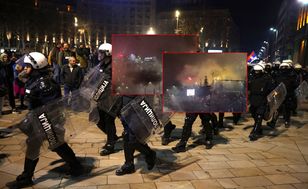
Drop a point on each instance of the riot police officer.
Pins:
(41, 89)
(288, 77)
(259, 86)
(106, 121)
(187, 129)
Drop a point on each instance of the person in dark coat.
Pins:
(7, 66)
(71, 76)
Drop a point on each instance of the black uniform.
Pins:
(107, 122)
(187, 129)
(291, 81)
(259, 86)
(41, 89)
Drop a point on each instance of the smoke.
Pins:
(145, 73)
(213, 69)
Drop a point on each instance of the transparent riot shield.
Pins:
(275, 99)
(48, 123)
(95, 91)
(302, 92)
(144, 116)
(94, 84)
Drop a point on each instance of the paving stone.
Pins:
(242, 150)
(208, 183)
(191, 167)
(214, 165)
(216, 157)
(242, 172)
(255, 155)
(301, 186)
(174, 185)
(279, 161)
(6, 177)
(301, 168)
(182, 175)
(132, 178)
(14, 169)
(290, 154)
(47, 182)
(301, 176)
(285, 186)
(220, 173)
(202, 174)
(143, 186)
(9, 148)
(219, 151)
(237, 157)
(254, 181)
(227, 183)
(259, 163)
(156, 177)
(281, 169)
(283, 179)
(81, 187)
(115, 186)
(85, 181)
(269, 155)
(241, 164)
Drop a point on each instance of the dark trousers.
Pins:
(11, 95)
(189, 121)
(67, 91)
(131, 144)
(106, 124)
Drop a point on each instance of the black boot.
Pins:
(208, 143)
(169, 127)
(128, 166)
(236, 118)
(150, 155)
(221, 120)
(180, 147)
(25, 179)
(125, 169)
(272, 123)
(257, 130)
(208, 136)
(107, 149)
(68, 155)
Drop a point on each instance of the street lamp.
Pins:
(276, 36)
(151, 31)
(177, 15)
(267, 48)
(9, 36)
(303, 1)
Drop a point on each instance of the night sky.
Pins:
(254, 18)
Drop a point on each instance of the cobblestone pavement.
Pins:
(276, 161)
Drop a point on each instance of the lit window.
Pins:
(69, 8)
(304, 16)
(36, 3)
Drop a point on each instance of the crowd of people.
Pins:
(41, 85)
(68, 66)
